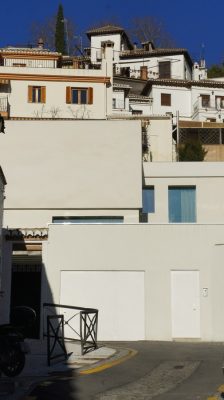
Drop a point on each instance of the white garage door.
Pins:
(118, 295)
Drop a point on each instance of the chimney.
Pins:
(40, 43)
(144, 72)
(148, 46)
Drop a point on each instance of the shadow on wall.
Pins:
(31, 288)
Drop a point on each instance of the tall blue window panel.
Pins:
(148, 200)
(182, 203)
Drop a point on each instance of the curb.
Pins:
(109, 364)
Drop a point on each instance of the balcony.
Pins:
(208, 109)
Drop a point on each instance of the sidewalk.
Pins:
(36, 368)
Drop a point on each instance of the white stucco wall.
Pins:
(160, 139)
(71, 165)
(208, 178)
(178, 65)
(155, 249)
(180, 101)
(96, 45)
(55, 106)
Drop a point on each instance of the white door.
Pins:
(118, 295)
(185, 304)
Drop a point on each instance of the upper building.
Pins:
(38, 83)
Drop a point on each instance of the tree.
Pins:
(60, 43)
(149, 28)
(191, 151)
(216, 71)
(47, 30)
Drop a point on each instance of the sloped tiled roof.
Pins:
(181, 83)
(109, 29)
(154, 53)
(105, 29)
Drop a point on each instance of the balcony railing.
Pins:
(76, 324)
(3, 104)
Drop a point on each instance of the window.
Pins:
(36, 94)
(148, 200)
(165, 99)
(205, 100)
(79, 95)
(219, 101)
(164, 69)
(88, 220)
(182, 203)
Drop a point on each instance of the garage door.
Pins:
(118, 295)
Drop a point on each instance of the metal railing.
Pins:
(73, 324)
(3, 104)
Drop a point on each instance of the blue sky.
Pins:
(193, 24)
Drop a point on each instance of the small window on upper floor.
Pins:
(164, 69)
(165, 99)
(148, 203)
(182, 203)
(79, 95)
(36, 94)
(148, 200)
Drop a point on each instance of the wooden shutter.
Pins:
(43, 94)
(165, 69)
(30, 91)
(68, 95)
(165, 99)
(90, 95)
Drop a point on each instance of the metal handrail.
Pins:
(88, 325)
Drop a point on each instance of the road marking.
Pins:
(221, 389)
(109, 364)
(212, 398)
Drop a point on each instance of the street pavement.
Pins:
(140, 370)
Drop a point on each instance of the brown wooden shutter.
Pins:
(30, 91)
(165, 69)
(90, 95)
(43, 94)
(165, 99)
(68, 95)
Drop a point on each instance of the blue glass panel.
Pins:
(148, 200)
(83, 96)
(182, 204)
(75, 96)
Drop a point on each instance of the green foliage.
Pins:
(192, 151)
(60, 44)
(216, 71)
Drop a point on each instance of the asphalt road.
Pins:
(159, 370)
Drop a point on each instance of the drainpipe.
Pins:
(178, 134)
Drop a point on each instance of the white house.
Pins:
(47, 87)
(75, 233)
(91, 219)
